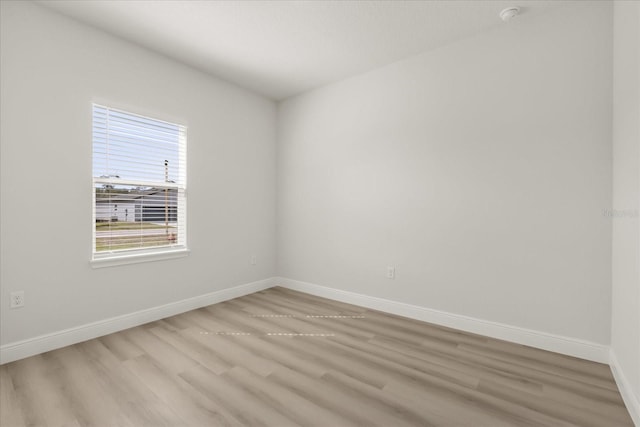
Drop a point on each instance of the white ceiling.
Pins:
(282, 48)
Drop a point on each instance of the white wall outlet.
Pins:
(391, 272)
(253, 260)
(17, 299)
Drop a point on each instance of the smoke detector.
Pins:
(509, 13)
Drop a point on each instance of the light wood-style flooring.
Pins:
(284, 358)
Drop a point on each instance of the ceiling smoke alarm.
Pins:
(509, 13)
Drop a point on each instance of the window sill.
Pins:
(113, 261)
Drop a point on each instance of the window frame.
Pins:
(137, 255)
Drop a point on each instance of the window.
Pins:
(139, 185)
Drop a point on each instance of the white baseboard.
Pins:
(631, 399)
(29, 347)
(557, 343)
(570, 346)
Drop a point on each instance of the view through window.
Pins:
(139, 178)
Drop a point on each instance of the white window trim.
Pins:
(136, 256)
(157, 254)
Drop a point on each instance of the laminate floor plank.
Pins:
(560, 360)
(429, 351)
(343, 327)
(85, 390)
(168, 356)
(540, 366)
(316, 303)
(279, 357)
(193, 349)
(203, 319)
(246, 403)
(230, 350)
(38, 390)
(359, 408)
(565, 411)
(120, 346)
(11, 411)
(288, 358)
(293, 406)
(135, 400)
(472, 409)
(470, 374)
(193, 407)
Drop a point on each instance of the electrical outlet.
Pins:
(253, 260)
(391, 272)
(17, 299)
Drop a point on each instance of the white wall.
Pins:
(480, 170)
(625, 336)
(52, 69)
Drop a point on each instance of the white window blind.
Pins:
(139, 184)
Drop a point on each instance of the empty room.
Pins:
(320, 213)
